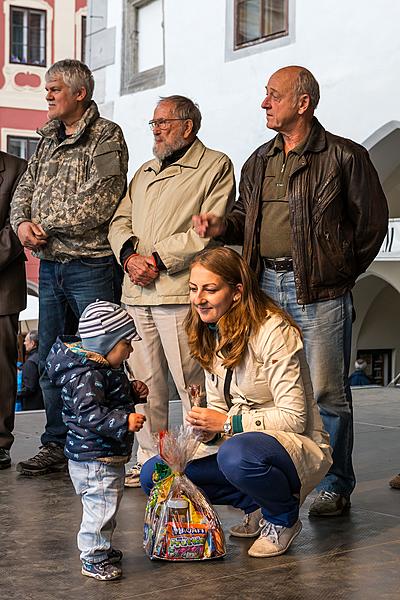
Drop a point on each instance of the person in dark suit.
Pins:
(12, 301)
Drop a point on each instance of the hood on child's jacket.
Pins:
(67, 359)
(97, 401)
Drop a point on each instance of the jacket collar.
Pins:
(316, 141)
(52, 128)
(190, 159)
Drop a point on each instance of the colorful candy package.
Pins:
(180, 523)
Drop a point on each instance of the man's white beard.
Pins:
(168, 148)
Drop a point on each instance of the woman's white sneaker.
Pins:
(274, 540)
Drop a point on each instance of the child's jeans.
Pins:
(100, 486)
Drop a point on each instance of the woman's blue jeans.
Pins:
(65, 289)
(100, 486)
(326, 328)
(251, 470)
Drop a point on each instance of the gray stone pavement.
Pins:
(355, 557)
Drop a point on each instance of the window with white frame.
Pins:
(258, 21)
(20, 146)
(27, 36)
(143, 46)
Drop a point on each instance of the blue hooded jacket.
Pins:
(97, 401)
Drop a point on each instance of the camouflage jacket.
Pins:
(72, 188)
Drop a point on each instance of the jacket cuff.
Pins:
(127, 249)
(159, 263)
(237, 425)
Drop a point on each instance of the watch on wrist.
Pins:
(228, 426)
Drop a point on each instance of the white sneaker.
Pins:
(132, 476)
(274, 540)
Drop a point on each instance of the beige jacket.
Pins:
(271, 389)
(157, 213)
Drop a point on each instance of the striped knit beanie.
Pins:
(103, 324)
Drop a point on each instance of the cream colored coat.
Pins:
(271, 389)
(157, 213)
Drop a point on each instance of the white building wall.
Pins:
(353, 48)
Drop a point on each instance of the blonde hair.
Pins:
(243, 319)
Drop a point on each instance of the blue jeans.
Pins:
(100, 487)
(251, 470)
(326, 328)
(65, 289)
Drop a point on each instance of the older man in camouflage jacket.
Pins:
(61, 210)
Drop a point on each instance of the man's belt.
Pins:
(284, 263)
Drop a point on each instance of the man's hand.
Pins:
(142, 269)
(206, 419)
(31, 235)
(141, 389)
(208, 225)
(136, 421)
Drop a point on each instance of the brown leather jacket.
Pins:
(337, 208)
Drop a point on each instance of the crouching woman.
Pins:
(264, 444)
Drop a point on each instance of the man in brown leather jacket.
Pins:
(12, 301)
(311, 216)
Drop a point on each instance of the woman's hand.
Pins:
(206, 419)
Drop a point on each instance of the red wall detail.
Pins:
(29, 79)
(21, 118)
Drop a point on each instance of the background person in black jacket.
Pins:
(311, 216)
(30, 394)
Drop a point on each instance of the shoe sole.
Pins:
(99, 577)
(337, 513)
(54, 469)
(3, 466)
(136, 484)
(245, 535)
(280, 551)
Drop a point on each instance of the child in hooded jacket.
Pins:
(98, 409)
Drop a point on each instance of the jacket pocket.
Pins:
(324, 194)
(333, 258)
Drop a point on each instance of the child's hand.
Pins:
(141, 389)
(135, 421)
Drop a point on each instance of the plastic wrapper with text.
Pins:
(180, 523)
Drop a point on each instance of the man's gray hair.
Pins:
(34, 336)
(307, 84)
(184, 108)
(75, 74)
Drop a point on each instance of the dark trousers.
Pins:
(8, 377)
(65, 289)
(251, 470)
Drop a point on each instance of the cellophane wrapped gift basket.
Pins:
(180, 523)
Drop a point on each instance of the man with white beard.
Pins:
(151, 235)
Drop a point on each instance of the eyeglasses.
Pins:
(163, 123)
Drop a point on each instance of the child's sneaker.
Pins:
(132, 477)
(104, 570)
(114, 556)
